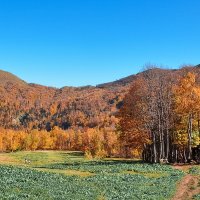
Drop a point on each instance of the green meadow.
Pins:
(68, 175)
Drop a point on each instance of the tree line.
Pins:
(160, 117)
(96, 143)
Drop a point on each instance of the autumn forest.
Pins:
(153, 115)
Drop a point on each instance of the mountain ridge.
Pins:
(29, 106)
(6, 76)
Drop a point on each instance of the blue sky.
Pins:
(86, 42)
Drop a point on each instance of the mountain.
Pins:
(28, 106)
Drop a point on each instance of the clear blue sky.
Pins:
(81, 42)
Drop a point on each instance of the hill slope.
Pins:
(30, 106)
(6, 77)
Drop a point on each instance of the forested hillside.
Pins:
(154, 114)
(32, 106)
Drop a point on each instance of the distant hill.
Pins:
(29, 106)
(6, 77)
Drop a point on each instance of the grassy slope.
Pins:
(74, 177)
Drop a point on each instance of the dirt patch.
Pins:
(183, 167)
(188, 186)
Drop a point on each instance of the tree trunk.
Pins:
(184, 156)
(154, 149)
(167, 144)
(190, 138)
(176, 155)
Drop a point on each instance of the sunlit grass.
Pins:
(147, 174)
(66, 172)
(38, 158)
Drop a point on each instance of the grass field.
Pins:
(67, 175)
